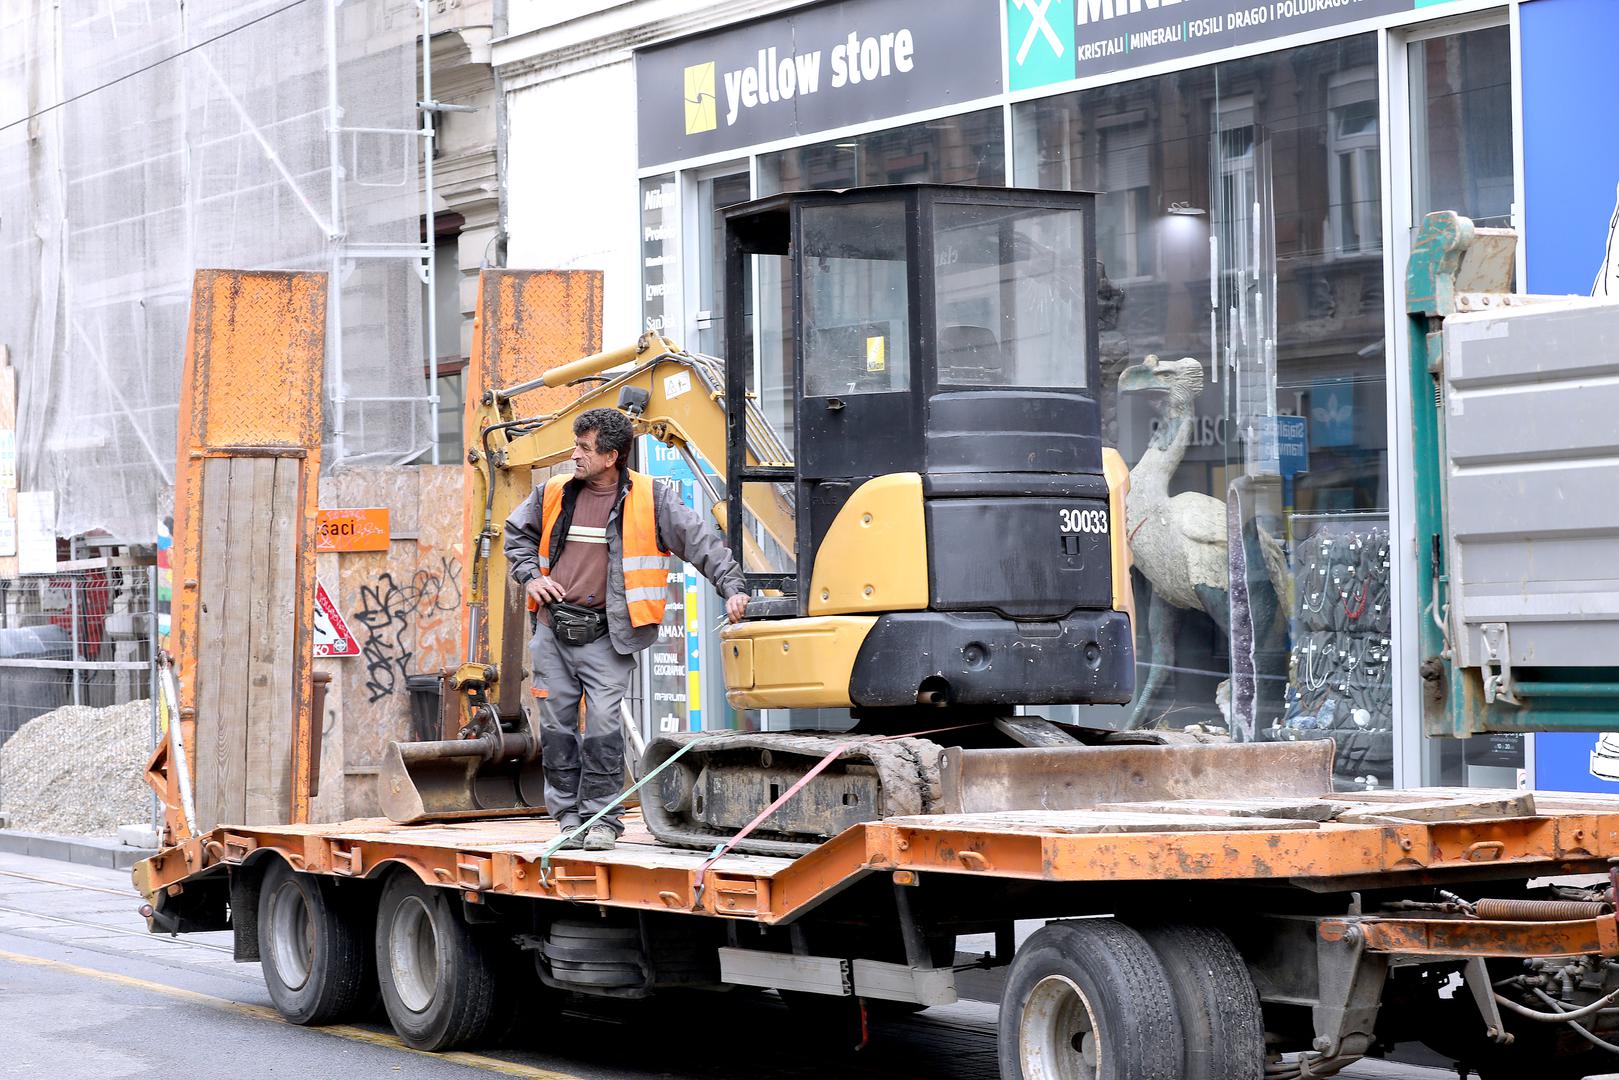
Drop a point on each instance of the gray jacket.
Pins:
(680, 531)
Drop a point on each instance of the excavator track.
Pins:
(717, 788)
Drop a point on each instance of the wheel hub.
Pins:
(292, 935)
(413, 954)
(1058, 1037)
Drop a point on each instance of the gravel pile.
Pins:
(77, 770)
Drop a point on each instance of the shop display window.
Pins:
(1243, 356)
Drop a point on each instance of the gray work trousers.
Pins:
(584, 772)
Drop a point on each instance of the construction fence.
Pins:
(77, 715)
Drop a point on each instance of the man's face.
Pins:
(588, 462)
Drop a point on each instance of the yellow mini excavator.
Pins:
(931, 529)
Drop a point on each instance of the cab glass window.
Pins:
(856, 305)
(1008, 295)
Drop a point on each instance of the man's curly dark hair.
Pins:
(613, 432)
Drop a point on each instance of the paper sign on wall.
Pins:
(36, 532)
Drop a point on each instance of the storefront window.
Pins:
(1242, 356)
(967, 149)
(1461, 125)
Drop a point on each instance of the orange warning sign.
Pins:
(362, 529)
(332, 636)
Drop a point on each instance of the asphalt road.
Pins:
(87, 994)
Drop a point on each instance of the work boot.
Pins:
(600, 838)
(566, 826)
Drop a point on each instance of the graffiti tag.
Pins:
(404, 625)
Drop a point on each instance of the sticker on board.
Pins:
(332, 636)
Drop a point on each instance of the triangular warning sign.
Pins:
(332, 637)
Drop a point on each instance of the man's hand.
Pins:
(542, 590)
(735, 606)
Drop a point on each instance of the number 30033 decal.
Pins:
(1082, 521)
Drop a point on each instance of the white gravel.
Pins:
(77, 770)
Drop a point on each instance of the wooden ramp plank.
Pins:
(234, 671)
(1500, 805)
(1092, 821)
(1297, 809)
(284, 700)
(212, 745)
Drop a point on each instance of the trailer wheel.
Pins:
(1088, 999)
(1216, 999)
(438, 979)
(316, 959)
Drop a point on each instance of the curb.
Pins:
(88, 851)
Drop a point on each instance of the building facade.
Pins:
(1261, 167)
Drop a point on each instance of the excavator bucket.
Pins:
(490, 775)
(454, 779)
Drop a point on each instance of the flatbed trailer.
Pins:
(1327, 927)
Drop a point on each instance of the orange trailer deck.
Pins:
(1336, 843)
(1333, 922)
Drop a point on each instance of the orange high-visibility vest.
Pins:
(646, 566)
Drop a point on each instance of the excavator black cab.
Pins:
(957, 524)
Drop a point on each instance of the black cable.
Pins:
(155, 63)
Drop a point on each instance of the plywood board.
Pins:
(404, 607)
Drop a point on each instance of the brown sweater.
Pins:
(581, 566)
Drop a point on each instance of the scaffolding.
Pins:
(141, 140)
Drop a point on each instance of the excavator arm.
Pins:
(674, 396)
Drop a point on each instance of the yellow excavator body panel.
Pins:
(792, 663)
(874, 556)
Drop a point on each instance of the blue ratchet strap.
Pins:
(554, 846)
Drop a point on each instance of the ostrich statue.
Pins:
(1177, 542)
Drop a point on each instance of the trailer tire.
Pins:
(314, 948)
(1087, 999)
(439, 979)
(1215, 997)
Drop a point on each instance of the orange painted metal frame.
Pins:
(252, 386)
(1479, 937)
(507, 864)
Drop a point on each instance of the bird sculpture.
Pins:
(1178, 542)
